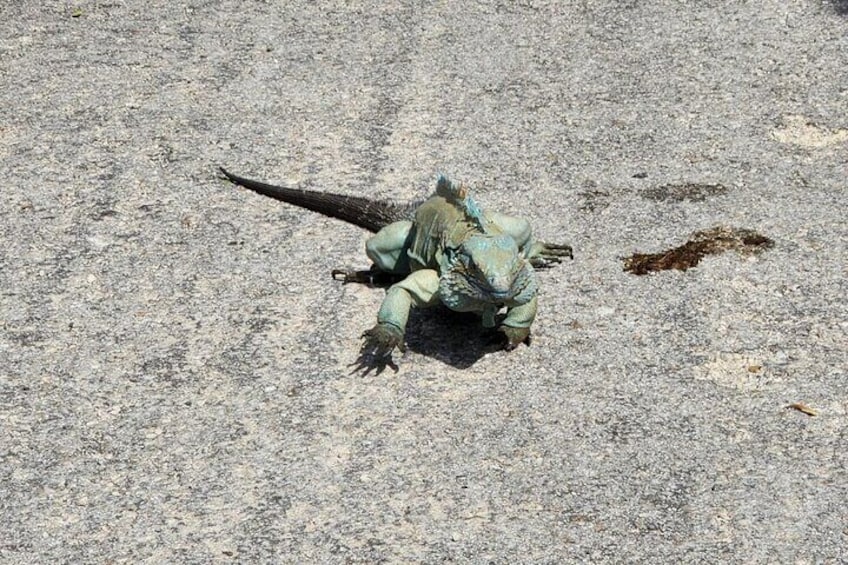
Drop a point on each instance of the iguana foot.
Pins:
(366, 364)
(381, 340)
(371, 277)
(550, 254)
(514, 336)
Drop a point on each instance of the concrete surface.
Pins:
(175, 383)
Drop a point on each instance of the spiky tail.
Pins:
(372, 215)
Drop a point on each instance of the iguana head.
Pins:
(486, 269)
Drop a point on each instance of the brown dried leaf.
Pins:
(708, 242)
(801, 407)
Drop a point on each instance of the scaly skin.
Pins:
(447, 250)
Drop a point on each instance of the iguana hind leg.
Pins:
(387, 249)
(541, 255)
(517, 228)
(371, 277)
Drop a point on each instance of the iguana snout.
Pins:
(494, 263)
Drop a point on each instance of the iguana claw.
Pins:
(370, 277)
(381, 340)
(515, 336)
(551, 254)
(352, 276)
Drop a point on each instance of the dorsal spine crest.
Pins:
(457, 194)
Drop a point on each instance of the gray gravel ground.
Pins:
(175, 362)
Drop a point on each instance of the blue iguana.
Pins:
(443, 249)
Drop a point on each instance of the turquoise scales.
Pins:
(445, 249)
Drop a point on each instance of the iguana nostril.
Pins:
(501, 286)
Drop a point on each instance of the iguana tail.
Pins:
(372, 215)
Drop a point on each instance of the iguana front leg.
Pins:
(546, 255)
(516, 325)
(419, 289)
(541, 255)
